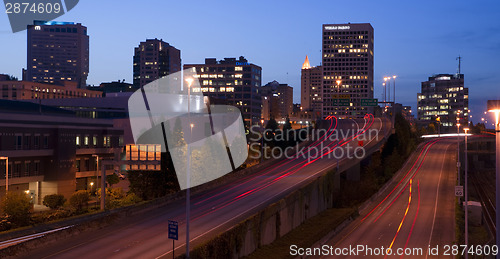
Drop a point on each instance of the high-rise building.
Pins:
(154, 59)
(310, 88)
(57, 52)
(234, 82)
(347, 59)
(277, 101)
(442, 97)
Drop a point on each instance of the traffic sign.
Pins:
(341, 96)
(173, 230)
(369, 102)
(341, 102)
(459, 191)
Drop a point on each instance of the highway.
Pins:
(417, 211)
(212, 211)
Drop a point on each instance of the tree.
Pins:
(112, 179)
(79, 199)
(272, 128)
(11, 78)
(17, 207)
(54, 201)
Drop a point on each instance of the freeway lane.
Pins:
(144, 236)
(418, 219)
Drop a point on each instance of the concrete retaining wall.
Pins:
(273, 222)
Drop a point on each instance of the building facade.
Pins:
(50, 150)
(443, 98)
(277, 101)
(311, 95)
(154, 59)
(25, 90)
(348, 59)
(57, 52)
(233, 82)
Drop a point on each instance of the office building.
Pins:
(347, 58)
(311, 96)
(232, 81)
(442, 97)
(277, 101)
(58, 52)
(154, 59)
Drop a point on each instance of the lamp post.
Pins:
(466, 197)
(6, 172)
(389, 88)
(262, 141)
(97, 170)
(458, 146)
(338, 96)
(188, 190)
(394, 102)
(385, 90)
(494, 106)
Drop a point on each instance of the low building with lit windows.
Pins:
(442, 97)
(233, 82)
(26, 90)
(50, 150)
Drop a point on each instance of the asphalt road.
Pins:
(404, 224)
(213, 211)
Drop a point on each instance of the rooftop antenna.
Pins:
(459, 63)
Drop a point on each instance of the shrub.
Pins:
(79, 199)
(130, 199)
(54, 201)
(18, 208)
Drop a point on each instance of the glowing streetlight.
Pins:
(189, 81)
(338, 97)
(494, 106)
(466, 197)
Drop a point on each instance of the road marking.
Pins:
(437, 197)
(404, 217)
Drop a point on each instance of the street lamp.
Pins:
(394, 105)
(438, 119)
(189, 80)
(466, 197)
(385, 90)
(262, 140)
(338, 97)
(494, 106)
(6, 172)
(458, 146)
(97, 170)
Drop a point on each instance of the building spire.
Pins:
(306, 64)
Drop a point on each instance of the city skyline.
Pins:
(411, 49)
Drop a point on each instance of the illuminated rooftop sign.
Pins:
(52, 23)
(337, 28)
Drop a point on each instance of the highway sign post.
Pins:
(459, 191)
(369, 102)
(173, 233)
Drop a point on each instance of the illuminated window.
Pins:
(238, 69)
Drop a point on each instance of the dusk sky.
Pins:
(413, 39)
